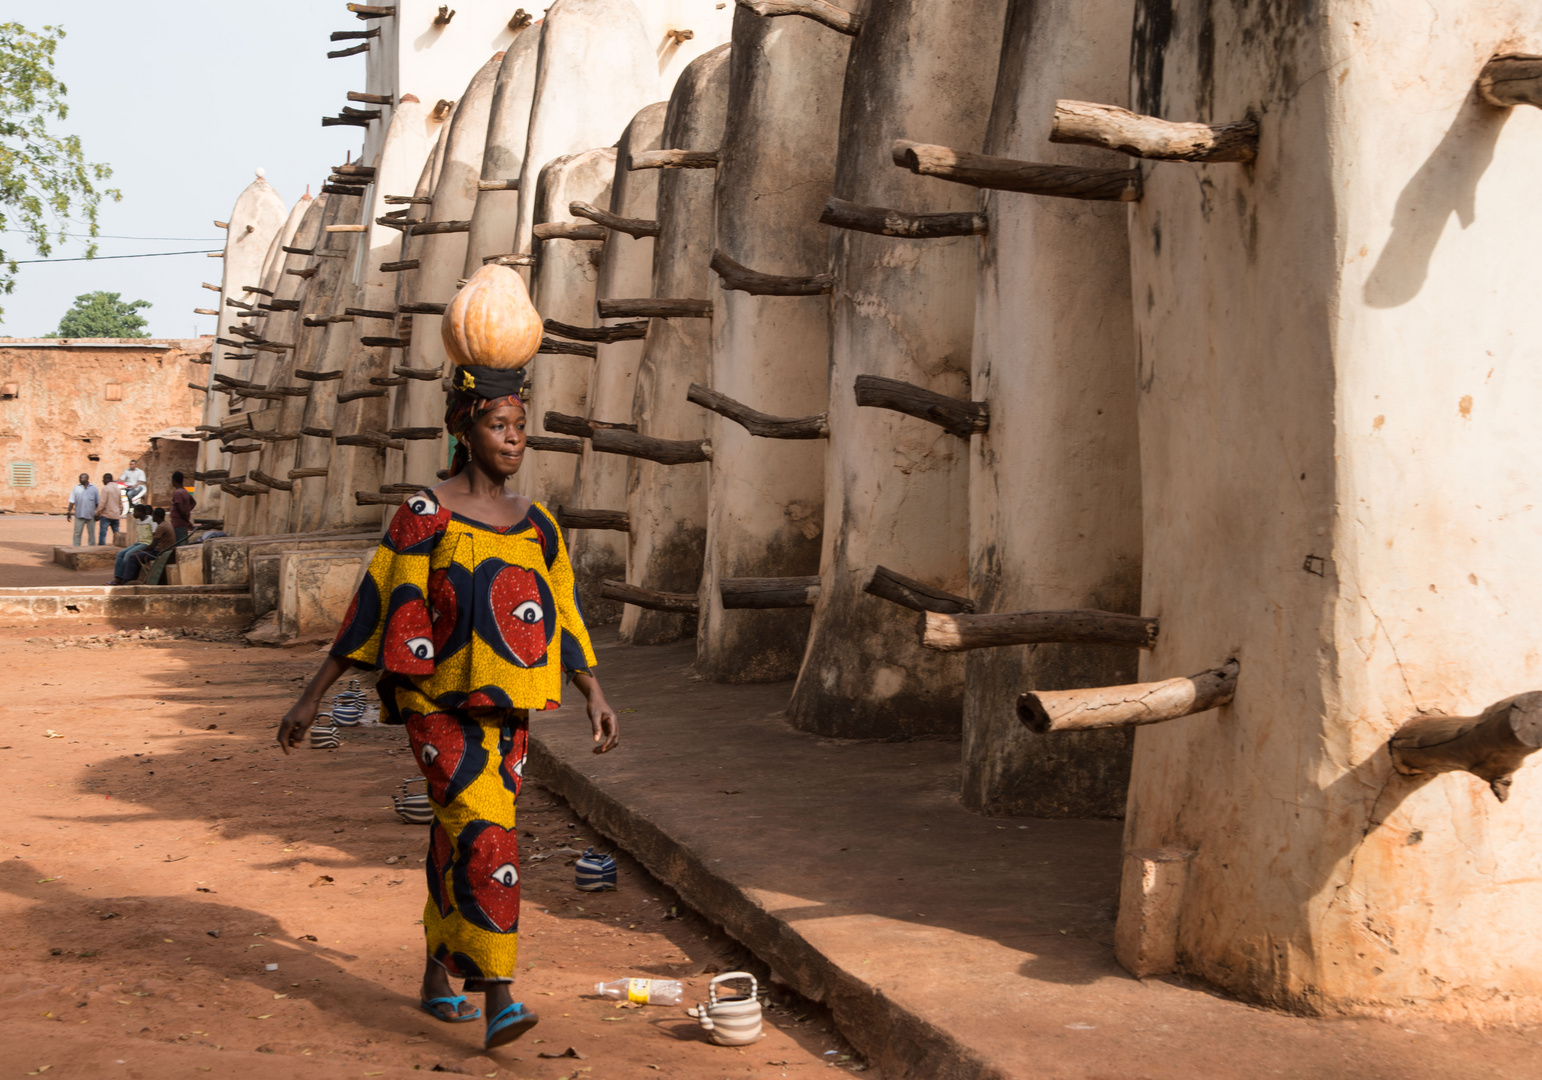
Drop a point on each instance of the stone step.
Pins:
(85, 558)
(128, 605)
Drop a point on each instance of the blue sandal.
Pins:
(509, 1025)
(431, 1006)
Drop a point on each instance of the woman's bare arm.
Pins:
(298, 720)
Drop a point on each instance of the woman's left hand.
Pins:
(605, 722)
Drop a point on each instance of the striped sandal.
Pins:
(509, 1025)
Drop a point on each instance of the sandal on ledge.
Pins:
(434, 1007)
(509, 1025)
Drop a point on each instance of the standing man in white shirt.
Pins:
(84, 501)
(133, 481)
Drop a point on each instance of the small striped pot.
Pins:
(325, 738)
(594, 871)
(347, 712)
(734, 1019)
(413, 807)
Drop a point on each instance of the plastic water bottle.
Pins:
(642, 991)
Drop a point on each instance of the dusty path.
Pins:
(159, 853)
(27, 543)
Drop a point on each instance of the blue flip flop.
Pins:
(509, 1025)
(430, 1006)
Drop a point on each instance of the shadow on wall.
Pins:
(1446, 183)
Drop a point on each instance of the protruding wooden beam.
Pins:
(377, 439)
(961, 418)
(572, 518)
(244, 448)
(672, 159)
(680, 37)
(758, 423)
(206, 311)
(353, 168)
(370, 99)
(836, 18)
(272, 481)
(345, 396)
(336, 54)
(915, 595)
(200, 387)
(212, 474)
(384, 342)
(425, 374)
(283, 305)
(211, 288)
(883, 221)
(297, 250)
(603, 335)
(511, 184)
(1044, 711)
(769, 593)
(317, 432)
(567, 230)
(737, 276)
(1512, 79)
(319, 376)
(633, 227)
(663, 451)
(222, 224)
(409, 200)
(399, 224)
(1088, 123)
(398, 267)
(305, 272)
(375, 498)
(520, 19)
(308, 471)
(558, 347)
(652, 599)
(416, 434)
(373, 11)
(346, 228)
(1491, 745)
(1008, 174)
(392, 380)
(581, 426)
(554, 446)
(258, 289)
(442, 109)
(355, 35)
(648, 307)
(429, 228)
(444, 16)
(510, 260)
(273, 346)
(369, 313)
(201, 358)
(421, 307)
(957, 633)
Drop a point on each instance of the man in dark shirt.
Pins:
(182, 504)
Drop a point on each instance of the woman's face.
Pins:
(497, 440)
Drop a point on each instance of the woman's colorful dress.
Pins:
(476, 626)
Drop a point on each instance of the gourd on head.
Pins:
(491, 322)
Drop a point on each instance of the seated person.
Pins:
(161, 541)
(124, 564)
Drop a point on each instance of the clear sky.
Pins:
(185, 99)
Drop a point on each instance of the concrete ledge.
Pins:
(85, 558)
(128, 606)
(226, 559)
(948, 946)
(315, 589)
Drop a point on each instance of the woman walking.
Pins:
(470, 611)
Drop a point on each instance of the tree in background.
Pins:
(102, 314)
(42, 175)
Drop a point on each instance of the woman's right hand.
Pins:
(296, 722)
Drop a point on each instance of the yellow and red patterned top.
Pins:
(473, 615)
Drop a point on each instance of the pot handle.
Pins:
(712, 986)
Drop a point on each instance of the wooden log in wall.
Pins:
(758, 423)
(572, 518)
(554, 446)
(1044, 711)
(957, 633)
(961, 418)
(603, 335)
(684, 603)
(663, 451)
(399, 266)
(1491, 745)
(433, 228)
(769, 593)
(648, 307)
(558, 347)
(633, 227)
(736, 276)
(319, 376)
(836, 18)
(1512, 79)
(883, 221)
(1009, 174)
(672, 159)
(581, 426)
(567, 230)
(916, 595)
(1088, 123)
